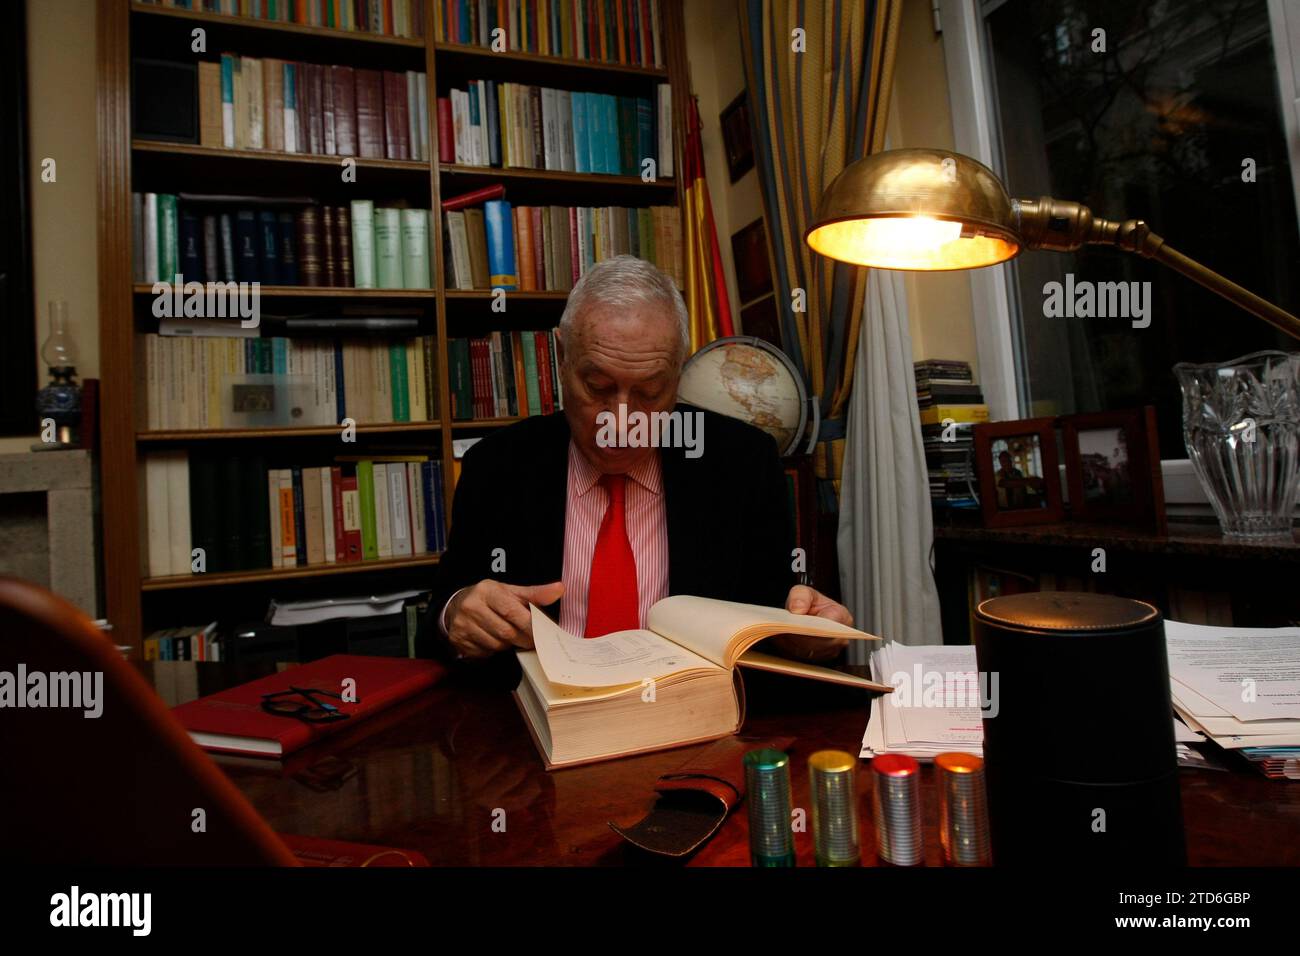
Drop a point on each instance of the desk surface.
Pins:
(429, 775)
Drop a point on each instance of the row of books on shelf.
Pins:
(209, 512)
(950, 403)
(504, 374)
(535, 127)
(192, 643)
(402, 18)
(618, 31)
(204, 240)
(541, 248)
(293, 107)
(197, 382)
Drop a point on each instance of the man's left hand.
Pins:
(804, 600)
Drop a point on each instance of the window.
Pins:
(1176, 122)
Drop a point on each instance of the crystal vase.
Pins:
(1241, 423)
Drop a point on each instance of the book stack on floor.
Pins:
(505, 374)
(608, 30)
(515, 125)
(950, 405)
(540, 248)
(399, 18)
(282, 106)
(204, 381)
(245, 515)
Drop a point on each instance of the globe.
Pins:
(744, 377)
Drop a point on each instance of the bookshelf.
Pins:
(138, 603)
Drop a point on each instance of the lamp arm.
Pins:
(1062, 226)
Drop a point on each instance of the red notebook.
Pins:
(233, 721)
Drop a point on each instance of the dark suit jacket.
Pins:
(729, 526)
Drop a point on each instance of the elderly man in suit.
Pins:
(592, 524)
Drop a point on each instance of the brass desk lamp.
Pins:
(932, 210)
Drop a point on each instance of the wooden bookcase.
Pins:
(137, 603)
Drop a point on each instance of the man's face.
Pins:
(618, 355)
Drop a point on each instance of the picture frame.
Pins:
(1112, 468)
(1019, 474)
(737, 137)
(753, 269)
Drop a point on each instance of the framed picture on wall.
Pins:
(737, 137)
(753, 270)
(1019, 479)
(1112, 468)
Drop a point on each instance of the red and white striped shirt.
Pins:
(647, 529)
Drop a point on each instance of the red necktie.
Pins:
(612, 603)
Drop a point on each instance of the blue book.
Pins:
(613, 163)
(340, 396)
(247, 254)
(268, 243)
(595, 103)
(439, 520)
(191, 243)
(299, 519)
(288, 253)
(501, 245)
(581, 144)
(280, 355)
(494, 130)
(430, 507)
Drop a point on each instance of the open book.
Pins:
(673, 683)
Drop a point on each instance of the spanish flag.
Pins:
(706, 283)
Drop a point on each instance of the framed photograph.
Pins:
(1112, 468)
(749, 254)
(1019, 480)
(737, 137)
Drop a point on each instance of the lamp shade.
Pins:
(916, 209)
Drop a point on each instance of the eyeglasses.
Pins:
(303, 703)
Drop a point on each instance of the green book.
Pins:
(168, 241)
(401, 384)
(388, 248)
(415, 248)
(530, 375)
(366, 492)
(363, 244)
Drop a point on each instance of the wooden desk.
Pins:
(428, 775)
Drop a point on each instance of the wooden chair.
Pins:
(121, 788)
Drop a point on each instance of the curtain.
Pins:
(885, 526)
(818, 101)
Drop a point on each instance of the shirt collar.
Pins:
(648, 474)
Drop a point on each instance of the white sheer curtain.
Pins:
(885, 525)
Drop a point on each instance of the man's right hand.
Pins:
(491, 616)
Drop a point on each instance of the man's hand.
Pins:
(490, 616)
(804, 600)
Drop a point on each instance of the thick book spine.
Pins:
(415, 248)
(248, 257)
(383, 516)
(345, 110)
(401, 409)
(353, 524)
(312, 517)
(290, 111)
(363, 244)
(310, 268)
(328, 247)
(366, 502)
(288, 249)
(370, 113)
(388, 248)
(168, 237)
(210, 112)
(399, 510)
(191, 247)
(288, 526)
(339, 547)
(415, 498)
(228, 100)
(268, 246)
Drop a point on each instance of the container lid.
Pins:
(1066, 611)
(895, 765)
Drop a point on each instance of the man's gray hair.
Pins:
(625, 281)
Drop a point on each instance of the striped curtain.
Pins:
(818, 100)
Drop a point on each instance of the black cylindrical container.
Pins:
(1078, 731)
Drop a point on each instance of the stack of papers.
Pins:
(935, 706)
(938, 702)
(1241, 688)
(328, 609)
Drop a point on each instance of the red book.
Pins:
(370, 113)
(539, 248)
(474, 198)
(397, 140)
(482, 378)
(351, 506)
(233, 721)
(543, 344)
(315, 121)
(446, 134)
(345, 110)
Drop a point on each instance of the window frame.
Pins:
(972, 98)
